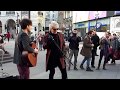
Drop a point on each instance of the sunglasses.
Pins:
(55, 29)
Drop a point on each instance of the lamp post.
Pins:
(17, 22)
(96, 17)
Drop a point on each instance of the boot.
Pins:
(75, 68)
(104, 68)
(81, 66)
(89, 69)
(92, 66)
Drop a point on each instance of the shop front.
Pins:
(115, 24)
(82, 28)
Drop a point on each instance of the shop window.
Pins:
(10, 13)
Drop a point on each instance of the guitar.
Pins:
(32, 57)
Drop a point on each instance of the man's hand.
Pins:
(92, 45)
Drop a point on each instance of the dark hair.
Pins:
(90, 32)
(25, 22)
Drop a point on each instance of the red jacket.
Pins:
(62, 47)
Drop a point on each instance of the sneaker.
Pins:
(89, 69)
(81, 67)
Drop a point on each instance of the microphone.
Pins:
(51, 37)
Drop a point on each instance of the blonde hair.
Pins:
(53, 24)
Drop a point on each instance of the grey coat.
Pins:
(115, 43)
(23, 41)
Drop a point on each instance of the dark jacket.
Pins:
(95, 40)
(47, 45)
(74, 42)
(22, 43)
(105, 45)
(87, 47)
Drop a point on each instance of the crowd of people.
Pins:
(59, 54)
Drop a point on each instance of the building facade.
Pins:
(50, 16)
(10, 21)
(68, 15)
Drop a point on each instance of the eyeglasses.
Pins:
(55, 29)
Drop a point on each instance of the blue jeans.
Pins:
(88, 59)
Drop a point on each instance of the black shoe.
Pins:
(93, 66)
(81, 67)
(96, 55)
(113, 62)
(6, 52)
(89, 69)
(75, 68)
(104, 69)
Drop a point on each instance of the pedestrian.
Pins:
(86, 50)
(95, 41)
(113, 48)
(104, 50)
(22, 44)
(8, 36)
(74, 47)
(2, 45)
(40, 38)
(54, 43)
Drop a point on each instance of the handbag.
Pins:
(116, 55)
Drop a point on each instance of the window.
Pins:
(40, 13)
(24, 12)
(10, 13)
(53, 15)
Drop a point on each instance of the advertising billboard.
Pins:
(98, 14)
(80, 16)
(110, 13)
(117, 13)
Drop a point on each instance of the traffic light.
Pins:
(35, 29)
(43, 29)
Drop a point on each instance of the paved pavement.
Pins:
(39, 72)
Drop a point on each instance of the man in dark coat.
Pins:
(74, 47)
(54, 57)
(22, 43)
(95, 41)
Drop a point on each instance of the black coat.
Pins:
(74, 42)
(95, 40)
(22, 43)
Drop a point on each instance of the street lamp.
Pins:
(96, 17)
(17, 22)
